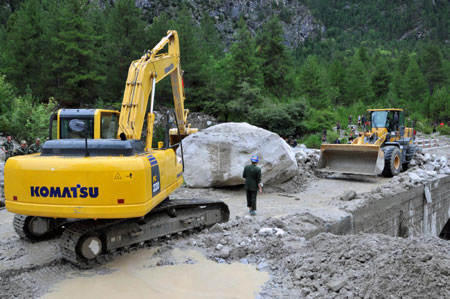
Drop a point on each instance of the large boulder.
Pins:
(216, 156)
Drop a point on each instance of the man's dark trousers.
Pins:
(251, 199)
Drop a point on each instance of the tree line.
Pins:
(74, 53)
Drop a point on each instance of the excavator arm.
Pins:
(143, 75)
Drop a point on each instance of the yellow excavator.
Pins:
(385, 149)
(109, 194)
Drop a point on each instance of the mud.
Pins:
(189, 275)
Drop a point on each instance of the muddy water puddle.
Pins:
(137, 275)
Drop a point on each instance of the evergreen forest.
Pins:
(371, 54)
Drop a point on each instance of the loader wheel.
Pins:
(392, 161)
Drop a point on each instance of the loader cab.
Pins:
(391, 119)
(99, 124)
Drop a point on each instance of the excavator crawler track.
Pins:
(112, 237)
(19, 225)
(23, 227)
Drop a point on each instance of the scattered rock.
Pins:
(348, 195)
(262, 266)
(216, 228)
(265, 231)
(337, 283)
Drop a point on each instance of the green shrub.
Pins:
(331, 136)
(24, 117)
(319, 120)
(312, 141)
(445, 130)
(424, 127)
(282, 118)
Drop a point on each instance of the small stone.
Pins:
(216, 228)
(265, 231)
(225, 252)
(337, 283)
(219, 246)
(278, 223)
(432, 173)
(414, 177)
(305, 292)
(279, 232)
(348, 195)
(262, 265)
(244, 261)
(429, 166)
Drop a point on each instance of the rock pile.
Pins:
(330, 266)
(368, 266)
(216, 156)
(307, 161)
(432, 162)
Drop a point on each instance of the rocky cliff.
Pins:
(298, 22)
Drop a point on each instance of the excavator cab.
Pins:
(99, 124)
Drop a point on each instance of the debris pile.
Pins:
(307, 161)
(329, 266)
(431, 163)
(366, 266)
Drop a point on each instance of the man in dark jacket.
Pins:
(252, 175)
(35, 147)
(8, 147)
(22, 150)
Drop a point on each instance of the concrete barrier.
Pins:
(423, 209)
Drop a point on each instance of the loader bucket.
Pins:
(351, 158)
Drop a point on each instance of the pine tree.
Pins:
(244, 64)
(415, 84)
(210, 39)
(313, 83)
(337, 80)
(125, 43)
(381, 79)
(357, 83)
(275, 65)
(24, 59)
(75, 59)
(430, 62)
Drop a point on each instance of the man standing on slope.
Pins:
(252, 175)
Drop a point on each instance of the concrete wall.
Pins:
(422, 209)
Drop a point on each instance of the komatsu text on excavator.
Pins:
(109, 192)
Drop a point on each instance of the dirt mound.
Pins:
(368, 266)
(330, 266)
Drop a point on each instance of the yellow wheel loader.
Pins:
(110, 193)
(384, 149)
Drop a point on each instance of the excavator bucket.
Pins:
(351, 158)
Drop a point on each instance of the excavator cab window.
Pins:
(67, 133)
(109, 125)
